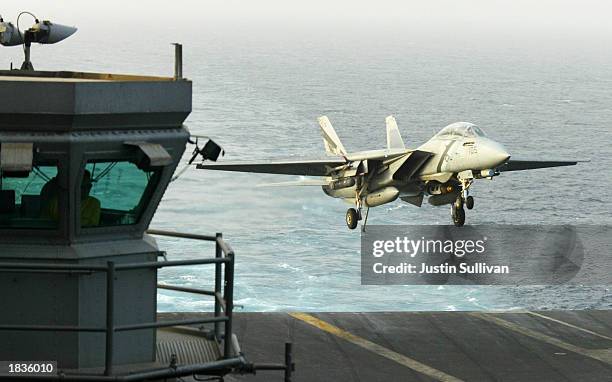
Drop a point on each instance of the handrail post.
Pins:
(110, 317)
(178, 61)
(229, 304)
(218, 254)
(288, 361)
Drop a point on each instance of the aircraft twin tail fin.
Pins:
(394, 139)
(333, 146)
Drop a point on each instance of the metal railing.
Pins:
(224, 302)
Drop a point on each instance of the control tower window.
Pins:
(115, 193)
(27, 199)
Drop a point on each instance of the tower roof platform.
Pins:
(79, 101)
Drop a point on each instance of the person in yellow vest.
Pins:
(90, 206)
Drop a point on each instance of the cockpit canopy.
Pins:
(461, 129)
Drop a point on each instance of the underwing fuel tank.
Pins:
(381, 196)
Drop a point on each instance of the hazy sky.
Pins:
(578, 28)
(575, 15)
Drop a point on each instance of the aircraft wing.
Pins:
(301, 182)
(520, 164)
(317, 167)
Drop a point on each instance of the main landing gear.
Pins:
(457, 212)
(353, 216)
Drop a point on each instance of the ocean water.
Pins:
(258, 95)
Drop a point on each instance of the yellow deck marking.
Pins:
(603, 355)
(375, 348)
(569, 325)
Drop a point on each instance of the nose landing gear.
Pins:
(463, 199)
(469, 202)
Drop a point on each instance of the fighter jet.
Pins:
(442, 169)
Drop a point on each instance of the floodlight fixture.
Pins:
(42, 32)
(46, 32)
(9, 34)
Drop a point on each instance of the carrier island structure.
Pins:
(85, 161)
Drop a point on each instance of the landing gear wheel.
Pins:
(352, 217)
(458, 215)
(458, 203)
(469, 202)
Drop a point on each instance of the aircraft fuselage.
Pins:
(450, 156)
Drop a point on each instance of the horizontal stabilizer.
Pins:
(317, 167)
(520, 164)
(394, 138)
(333, 146)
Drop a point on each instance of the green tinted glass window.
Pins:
(30, 200)
(115, 193)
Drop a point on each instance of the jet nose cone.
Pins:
(494, 154)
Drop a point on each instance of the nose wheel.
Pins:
(469, 202)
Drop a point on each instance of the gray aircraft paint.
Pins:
(456, 156)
